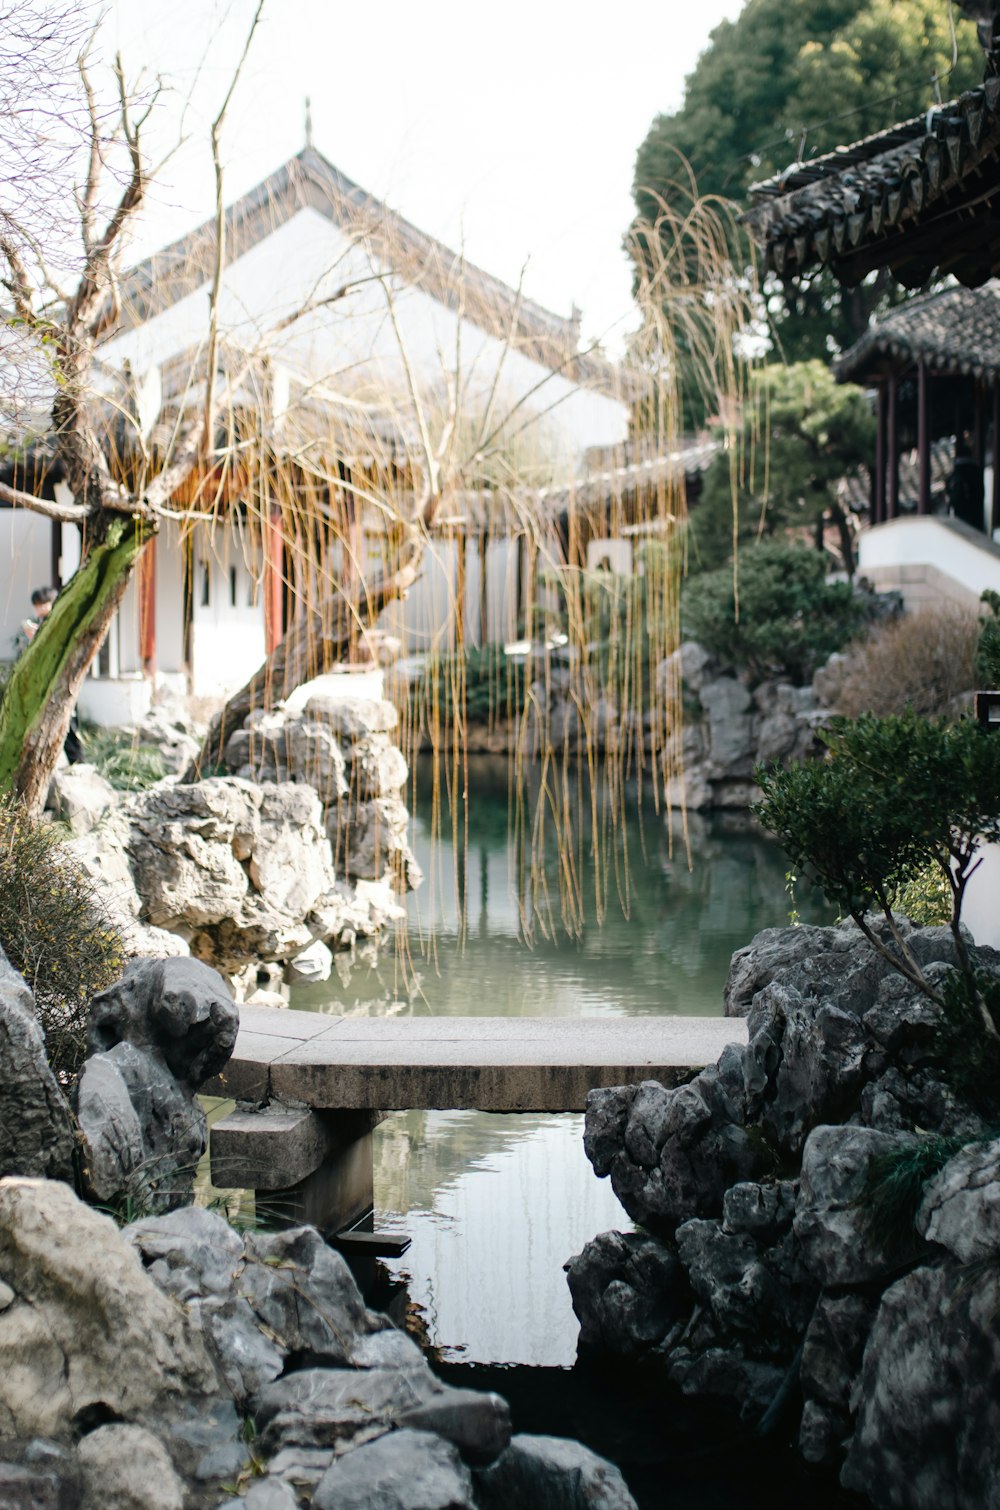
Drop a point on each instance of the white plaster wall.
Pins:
(352, 344)
(227, 637)
(981, 909)
(25, 563)
(928, 559)
(617, 553)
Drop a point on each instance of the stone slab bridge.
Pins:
(316, 1086)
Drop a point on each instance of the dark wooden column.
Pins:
(923, 440)
(893, 448)
(878, 473)
(979, 427)
(995, 501)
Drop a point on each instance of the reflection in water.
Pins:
(496, 1204)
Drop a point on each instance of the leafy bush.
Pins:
(988, 649)
(897, 795)
(55, 930)
(780, 617)
(128, 765)
(926, 899)
(920, 660)
(968, 1057)
(488, 684)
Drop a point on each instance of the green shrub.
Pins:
(988, 649)
(926, 898)
(128, 765)
(488, 684)
(55, 930)
(896, 795)
(780, 617)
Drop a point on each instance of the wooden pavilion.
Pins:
(934, 364)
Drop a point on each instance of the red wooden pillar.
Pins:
(274, 581)
(923, 441)
(147, 606)
(892, 443)
(878, 475)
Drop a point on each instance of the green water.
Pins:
(496, 1204)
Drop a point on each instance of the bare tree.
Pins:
(118, 508)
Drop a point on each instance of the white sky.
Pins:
(510, 128)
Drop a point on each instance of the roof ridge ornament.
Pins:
(309, 123)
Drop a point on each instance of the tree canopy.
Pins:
(784, 82)
(802, 432)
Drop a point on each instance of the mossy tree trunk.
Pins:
(46, 681)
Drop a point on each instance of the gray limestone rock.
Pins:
(833, 1346)
(190, 1252)
(153, 1039)
(328, 1407)
(235, 868)
(303, 1293)
(36, 1137)
(763, 1211)
(680, 1149)
(927, 1432)
(89, 1329)
(550, 1473)
(80, 796)
(690, 664)
(961, 1207)
(475, 1421)
(831, 1222)
(47, 1485)
(727, 703)
(628, 1291)
(271, 1493)
(823, 1431)
(406, 1470)
(725, 1374)
(126, 1468)
(806, 1062)
(756, 1294)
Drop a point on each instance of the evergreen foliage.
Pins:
(896, 795)
(802, 432)
(776, 615)
(988, 649)
(785, 81)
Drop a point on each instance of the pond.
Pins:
(496, 1204)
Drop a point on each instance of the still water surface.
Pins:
(496, 1204)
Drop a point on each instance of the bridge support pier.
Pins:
(305, 1167)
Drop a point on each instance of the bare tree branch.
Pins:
(66, 513)
(208, 426)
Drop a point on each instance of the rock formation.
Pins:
(730, 727)
(763, 1265)
(153, 1039)
(36, 1135)
(132, 1362)
(305, 840)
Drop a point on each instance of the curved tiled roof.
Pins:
(922, 197)
(954, 330)
(310, 181)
